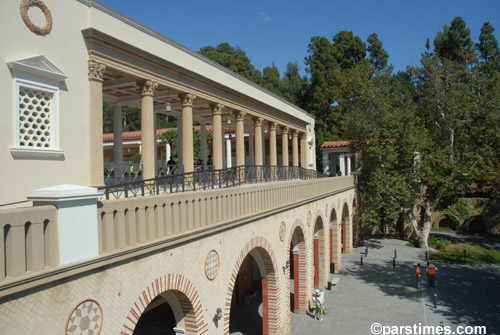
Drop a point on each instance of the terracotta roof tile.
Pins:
(129, 135)
(336, 144)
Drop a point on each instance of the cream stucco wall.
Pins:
(65, 48)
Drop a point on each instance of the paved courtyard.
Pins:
(467, 295)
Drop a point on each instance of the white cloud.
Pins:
(266, 17)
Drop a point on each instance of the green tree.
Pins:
(454, 42)
(271, 79)
(378, 56)
(293, 87)
(234, 59)
(349, 50)
(489, 53)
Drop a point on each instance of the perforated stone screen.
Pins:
(35, 112)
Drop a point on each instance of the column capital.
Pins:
(285, 129)
(96, 70)
(303, 136)
(187, 99)
(258, 121)
(216, 108)
(147, 87)
(272, 126)
(295, 133)
(239, 115)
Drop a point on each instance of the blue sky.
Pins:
(279, 31)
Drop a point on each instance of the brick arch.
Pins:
(335, 239)
(273, 318)
(301, 297)
(185, 292)
(320, 250)
(346, 221)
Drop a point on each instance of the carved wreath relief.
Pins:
(24, 8)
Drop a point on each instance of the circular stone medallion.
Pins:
(212, 263)
(85, 319)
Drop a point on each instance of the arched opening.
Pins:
(297, 258)
(477, 225)
(256, 312)
(448, 223)
(247, 304)
(335, 242)
(346, 230)
(319, 253)
(168, 312)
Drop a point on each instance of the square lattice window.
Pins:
(36, 88)
(35, 115)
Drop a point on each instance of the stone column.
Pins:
(96, 72)
(272, 144)
(251, 149)
(240, 138)
(147, 88)
(295, 148)
(258, 140)
(203, 142)
(229, 157)
(348, 170)
(168, 152)
(217, 136)
(187, 131)
(264, 150)
(284, 151)
(117, 138)
(179, 141)
(303, 150)
(224, 147)
(326, 162)
(342, 164)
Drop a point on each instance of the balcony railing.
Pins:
(203, 179)
(128, 172)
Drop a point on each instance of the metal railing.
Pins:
(128, 172)
(204, 179)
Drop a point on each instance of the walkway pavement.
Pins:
(468, 295)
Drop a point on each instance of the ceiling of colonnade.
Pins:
(122, 88)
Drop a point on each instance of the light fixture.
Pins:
(218, 315)
(265, 130)
(289, 136)
(287, 264)
(168, 106)
(228, 119)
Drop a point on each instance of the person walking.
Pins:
(431, 275)
(317, 305)
(418, 274)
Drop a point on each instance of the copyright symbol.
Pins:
(376, 328)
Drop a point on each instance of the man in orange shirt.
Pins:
(431, 275)
(418, 274)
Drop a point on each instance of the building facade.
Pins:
(75, 261)
(60, 68)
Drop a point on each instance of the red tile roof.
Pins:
(131, 135)
(336, 144)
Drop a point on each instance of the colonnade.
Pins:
(185, 132)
